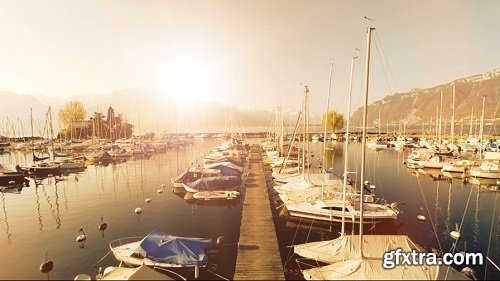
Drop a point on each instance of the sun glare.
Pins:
(189, 81)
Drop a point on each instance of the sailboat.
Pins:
(328, 202)
(360, 257)
(487, 168)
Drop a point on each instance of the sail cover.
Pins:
(227, 168)
(215, 183)
(347, 247)
(372, 269)
(166, 248)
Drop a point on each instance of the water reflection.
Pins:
(6, 219)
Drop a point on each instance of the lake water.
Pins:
(47, 215)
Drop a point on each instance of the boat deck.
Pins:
(258, 252)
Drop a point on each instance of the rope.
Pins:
(429, 214)
(94, 265)
(289, 257)
(310, 228)
(461, 222)
(489, 240)
(221, 277)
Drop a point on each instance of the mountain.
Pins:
(418, 106)
(150, 109)
(147, 109)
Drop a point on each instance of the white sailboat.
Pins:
(328, 202)
(488, 168)
(360, 257)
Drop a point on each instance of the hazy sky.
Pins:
(253, 54)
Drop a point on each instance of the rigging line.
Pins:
(383, 69)
(289, 257)
(454, 247)
(310, 228)
(391, 77)
(429, 215)
(494, 115)
(491, 234)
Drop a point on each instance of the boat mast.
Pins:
(363, 145)
(470, 128)
(326, 126)
(453, 116)
(481, 132)
(342, 231)
(440, 118)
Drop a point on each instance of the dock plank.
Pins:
(258, 251)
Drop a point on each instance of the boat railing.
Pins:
(125, 240)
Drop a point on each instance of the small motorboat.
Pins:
(159, 249)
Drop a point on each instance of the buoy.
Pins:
(138, 210)
(103, 225)
(455, 234)
(162, 185)
(160, 190)
(148, 200)
(82, 237)
(421, 218)
(46, 267)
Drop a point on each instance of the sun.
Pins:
(189, 80)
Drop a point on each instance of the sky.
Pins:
(252, 54)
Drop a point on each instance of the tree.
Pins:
(71, 112)
(335, 121)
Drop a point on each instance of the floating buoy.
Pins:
(162, 185)
(148, 200)
(138, 210)
(82, 237)
(46, 266)
(455, 234)
(421, 218)
(103, 225)
(160, 190)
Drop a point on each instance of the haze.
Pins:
(251, 54)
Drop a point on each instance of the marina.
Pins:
(44, 217)
(202, 140)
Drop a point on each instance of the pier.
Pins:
(258, 252)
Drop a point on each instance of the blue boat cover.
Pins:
(226, 168)
(166, 248)
(215, 183)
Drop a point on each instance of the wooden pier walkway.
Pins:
(258, 251)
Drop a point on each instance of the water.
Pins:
(47, 216)
(446, 202)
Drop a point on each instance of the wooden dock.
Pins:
(258, 251)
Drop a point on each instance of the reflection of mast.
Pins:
(58, 214)
(475, 233)
(5, 218)
(40, 223)
(448, 210)
(436, 220)
(56, 219)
